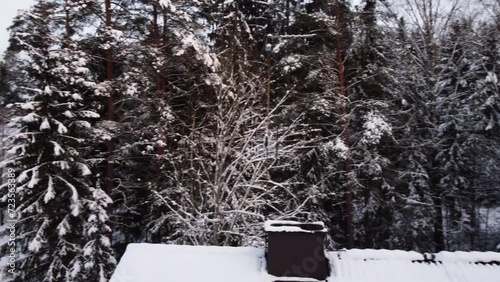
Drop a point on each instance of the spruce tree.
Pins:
(54, 190)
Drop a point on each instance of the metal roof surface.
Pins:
(160, 263)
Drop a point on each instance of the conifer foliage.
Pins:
(55, 194)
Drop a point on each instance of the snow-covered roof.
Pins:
(293, 226)
(159, 263)
(389, 266)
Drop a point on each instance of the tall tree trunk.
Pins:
(159, 82)
(438, 224)
(68, 24)
(163, 77)
(165, 43)
(437, 198)
(346, 137)
(474, 233)
(287, 16)
(156, 36)
(111, 111)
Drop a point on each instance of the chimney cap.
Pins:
(294, 226)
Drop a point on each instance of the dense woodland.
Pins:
(193, 121)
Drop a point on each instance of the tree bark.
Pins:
(159, 85)
(438, 224)
(345, 134)
(68, 24)
(111, 110)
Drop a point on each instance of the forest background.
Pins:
(193, 121)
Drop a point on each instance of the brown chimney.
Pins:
(296, 249)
